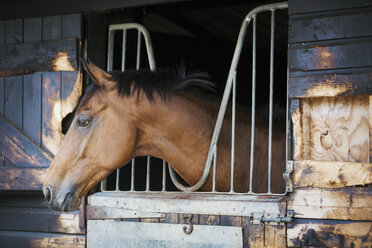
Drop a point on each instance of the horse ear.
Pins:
(99, 76)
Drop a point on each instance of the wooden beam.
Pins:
(22, 178)
(342, 204)
(26, 58)
(21, 150)
(39, 220)
(38, 239)
(309, 173)
(329, 233)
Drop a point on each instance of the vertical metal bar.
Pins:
(148, 173)
(138, 50)
(214, 168)
(253, 112)
(233, 134)
(104, 185)
(124, 48)
(117, 179)
(271, 98)
(110, 50)
(132, 175)
(164, 182)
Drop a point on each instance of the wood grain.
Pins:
(26, 58)
(334, 129)
(342, 204)
(39, 239)
(19, 149)
(324, 233)
(309, 173)
(22, 178)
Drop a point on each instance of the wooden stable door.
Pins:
(39, 85)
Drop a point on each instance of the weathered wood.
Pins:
(32, 106)
(71, 26)
(71, 89)
(22, 178)
(39, 220)
(334, 129)
(296, 7)
(99, 213)
(327, 55)
(296, 130)
(370, 129)
(52, 27)
(33, 199)
(14, 31)
(350, 24)
(330, 174)
(20, 149)
(34, 240)
(341, 204)
(230, 220)
(344, 82)
(324, 233)
(51, 117)
(275, 236)
(214, 220)
(32, 30)
(26, 58)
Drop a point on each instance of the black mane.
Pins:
(162, 82)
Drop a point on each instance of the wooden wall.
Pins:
(330, 81)
(35, 95)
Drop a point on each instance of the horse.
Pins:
(123, 115)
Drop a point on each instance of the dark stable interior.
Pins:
(202, 35)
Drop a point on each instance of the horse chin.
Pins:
(66, 204)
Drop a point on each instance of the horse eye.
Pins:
(82, 122)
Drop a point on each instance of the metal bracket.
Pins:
(287, 176)
(271, 219)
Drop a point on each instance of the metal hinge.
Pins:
(287, 176)
(271, 219)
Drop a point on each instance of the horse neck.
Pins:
(179, 131)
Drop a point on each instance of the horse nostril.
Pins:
(48, 194)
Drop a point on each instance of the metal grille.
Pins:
(230, 91)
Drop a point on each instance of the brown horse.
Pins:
(129, 114)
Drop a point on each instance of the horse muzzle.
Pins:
(61, 200)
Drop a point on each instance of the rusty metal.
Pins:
(266, 218)
(188, 229)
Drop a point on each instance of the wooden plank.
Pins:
(71, 89)
(350, 24)
(22, 178)
(57, 55)
(34, 239)
(296, 129)
(335, 129)
(71, 26)
(310, 173)
(347, 82)
(341, 204)
(370, 129)
(275, 236)
(213, 220)
(51, 112)
(97, 213)
(136, 234)
(13, 99)
(296, 7)
(14, 31)
(325, 233)
(20, 149)
(52, 27)
(32, 29)
(32, 106)
(23, 199)
(231, 220)
(329, 55)
(2, 32)
(39, 220)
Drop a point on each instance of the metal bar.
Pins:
(132, 175)
(233, 134)
(271, 99)
(164, 179)
(253, 112)
(117, 179)
(124, 48)
(226, 96)
(148, 173)
(110, 50)
(214, 169)
(138, 61)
